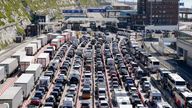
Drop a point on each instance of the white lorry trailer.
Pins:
(13, 96)
(19, 55)
(25, 62)
(10, 65)
(31, 49)
(26, 81)
(43, 59)
(2, 74)
(38, 43)
(35, 69)
(44, 39)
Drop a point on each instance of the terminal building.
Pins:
(184, 45)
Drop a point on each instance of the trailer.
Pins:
(25, 62)
(52, 36)
(50, 52)
(31, 49)
(66, 35)
(44, 39)
(38, 43)
(18, 55)
(56, 43)
(62, 39)
(26, 82)
(13, 96)
(43, 59)
(35, 69)
(10, 65)
(2, 74)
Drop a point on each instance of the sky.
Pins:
(187, 3)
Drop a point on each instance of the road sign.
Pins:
(73, 11)
(96, 10)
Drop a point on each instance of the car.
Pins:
(56, 94)
(72, 90)
(103, 104)
(42, 89)
(85, 104)
(146, 86)
(35, 101)
(50, 74)
(134, 97)
(49, 104)
(51, 98)
(39, 94)
(57, 89)
(67, 103)
(74, 86)
(70, 95)
(60, 86)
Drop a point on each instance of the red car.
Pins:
(35, 101)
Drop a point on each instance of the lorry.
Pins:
(35, 69)
(66, 35)
(43, 59)
(50, 52)
(62, 39)
(56, 43)
(10, 65)
(25, 62)
(26, 82)
(38, 43)
(31, 49)
(18, 55)
(43, 39)
(2, 74)
(52, 36)
(13, 96)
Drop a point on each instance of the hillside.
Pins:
(15, 15)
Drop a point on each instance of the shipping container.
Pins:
(43, 59)
(35, 69)
(18, 55)
(44, 40)
(31, 49)
(13, 96)
(25, 62)
(56, 43)
(2, 74)
(26, 81)
(10, 65)
(38, 43)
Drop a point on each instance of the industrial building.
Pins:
(158, 12)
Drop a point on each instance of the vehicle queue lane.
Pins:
(107, 78)
(56, 76)
(66, 86)
(80, 99)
